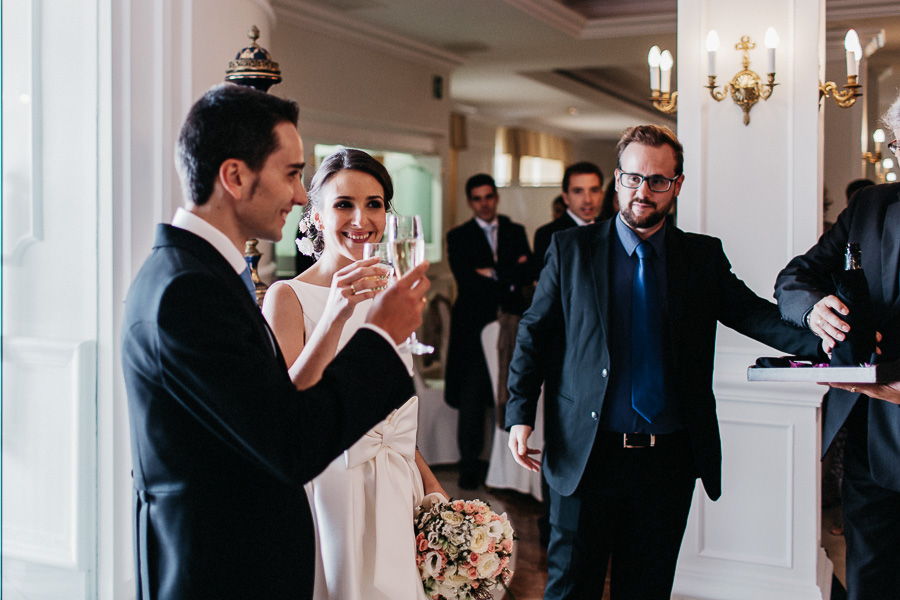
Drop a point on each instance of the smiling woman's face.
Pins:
(352, 212)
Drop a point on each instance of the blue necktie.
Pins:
(248, 282)
(647, 366)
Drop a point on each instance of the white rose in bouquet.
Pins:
(479, 540)
(305, 246)
(488, 565)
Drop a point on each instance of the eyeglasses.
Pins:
(894, 147)
(657, 183)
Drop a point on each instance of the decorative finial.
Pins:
(253, 66)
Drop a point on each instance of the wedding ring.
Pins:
(353, 288)
(852, 389)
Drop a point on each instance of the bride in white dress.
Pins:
(363, 503)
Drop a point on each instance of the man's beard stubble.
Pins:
(645, 222)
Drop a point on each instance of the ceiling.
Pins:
(575, 67)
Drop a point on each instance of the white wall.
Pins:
(50, 319)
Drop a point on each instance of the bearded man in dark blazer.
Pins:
(222, 441)
(490, 260)
(621, 333)
(806, 296)
(582, 193)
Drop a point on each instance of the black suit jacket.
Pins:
(562, 343)
(873, 219)
(222, 442)
(478, 297)
(542, 240)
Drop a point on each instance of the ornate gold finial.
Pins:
(252, 256)
(253, 66)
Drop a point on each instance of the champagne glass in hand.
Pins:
(407, 249)
(381, 251)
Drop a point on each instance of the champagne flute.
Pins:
(407, 247)
(381, 251)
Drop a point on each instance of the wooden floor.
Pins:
(531, 559)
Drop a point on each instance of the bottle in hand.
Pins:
(852, 288)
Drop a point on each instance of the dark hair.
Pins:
(477, 181)
(856, 185)
(654, 136)
(580, 168)
(344, 159)
(228, 122)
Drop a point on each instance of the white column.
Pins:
(758, 188)
(156, 58)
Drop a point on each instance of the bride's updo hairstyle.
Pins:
(343, 159)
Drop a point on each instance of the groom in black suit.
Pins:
(222, 441)
(621, 332)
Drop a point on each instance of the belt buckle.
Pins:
(634, 444)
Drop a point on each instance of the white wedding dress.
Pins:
(363, 503)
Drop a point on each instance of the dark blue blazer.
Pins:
(873, 219)
(562, 343)
(221, 440)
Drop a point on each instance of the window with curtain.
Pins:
(529, 158)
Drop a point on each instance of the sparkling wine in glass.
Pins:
(407, 248)
(381, 251)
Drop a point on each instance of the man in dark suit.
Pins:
(489, 257)
(805, 294)
(621, 332)
(222, 441)
(582, 193)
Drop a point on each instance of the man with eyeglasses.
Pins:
(621, 333)
(870, 493)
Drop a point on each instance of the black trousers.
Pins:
(871, 521)
(475, 399)
(631, 507)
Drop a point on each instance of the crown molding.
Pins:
(569, 21)
(339, 25)
(861, 9)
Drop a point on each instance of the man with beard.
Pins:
(621, 333)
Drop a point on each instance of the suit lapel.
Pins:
(676, 287)
(168, 235)
(598, 251)
(890, 253)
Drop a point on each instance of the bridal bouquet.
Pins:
(462, 550)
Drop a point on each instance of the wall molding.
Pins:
(861, 9)
(574, 24)
(28, 229)
(75, 362)
(341, 26)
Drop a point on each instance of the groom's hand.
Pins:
(518, 445)
(398, 310)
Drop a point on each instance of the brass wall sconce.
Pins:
(846, 97)
(661, 97)
(746, 87)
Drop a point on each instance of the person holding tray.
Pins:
(871, 412)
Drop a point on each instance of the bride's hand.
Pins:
(356, 282)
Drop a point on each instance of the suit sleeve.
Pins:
(807, 278)
(212, 363)
(527, 367)
(513, 276)
(742, 310)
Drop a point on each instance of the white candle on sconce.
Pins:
(665, 65)
(712, 46)
(771, 44)
(854, 52)
(887, 164)
(891, 177)
(653, 60)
